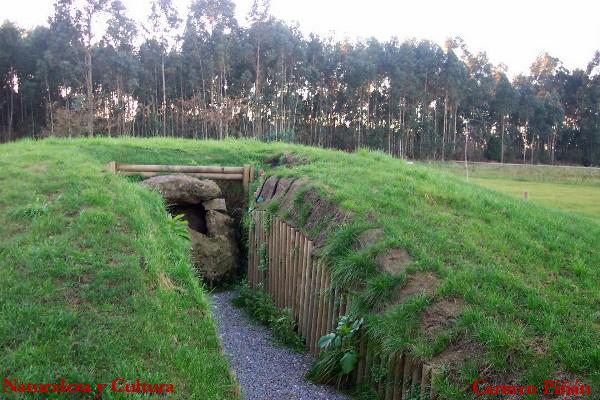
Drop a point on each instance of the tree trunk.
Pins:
(164, 102)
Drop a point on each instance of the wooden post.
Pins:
(368, 365)
(416, 375)
(312, 300)
(246, 179)
(306, 285)
(407, 373)
(398, 376)
(251, 253)
(390, 378)
(282, 251)
(425, 382)
(112, 166)
(297, 275)
(271, 238)
(362, 358)
(276, 246)
(288, 265)
(435, 373)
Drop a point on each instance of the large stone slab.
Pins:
(182, 189)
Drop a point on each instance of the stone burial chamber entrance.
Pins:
(215, 250)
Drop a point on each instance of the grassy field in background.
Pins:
(97, 284)
(574, 189)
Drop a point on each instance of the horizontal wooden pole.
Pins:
(179, 168)
(222, 177)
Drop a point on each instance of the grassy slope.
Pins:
(572, 189)
(95, 284)
(528, 274)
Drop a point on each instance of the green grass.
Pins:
(528, 275)
(581, 199)
(95, 283)
(575, 189)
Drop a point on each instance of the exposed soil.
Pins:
(417, 283)
(324, 216)
(394, 261)
(440, 315)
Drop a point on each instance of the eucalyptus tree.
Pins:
(164, 20)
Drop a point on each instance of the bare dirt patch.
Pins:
(440, 315)
(394, 260)
(457, 353)
(418, 283)
(368, 238)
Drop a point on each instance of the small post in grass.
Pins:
(246, 178)
(111, 166)
(526, 195)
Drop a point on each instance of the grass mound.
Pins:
(96, 282)
(511, 284)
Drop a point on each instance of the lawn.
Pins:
(578, 198)
(574, 189)
(98, 285)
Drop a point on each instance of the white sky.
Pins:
(510, 31)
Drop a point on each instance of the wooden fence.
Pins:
(280, 262)
(244, 174)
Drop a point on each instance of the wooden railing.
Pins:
(280, 261)
(245, 174)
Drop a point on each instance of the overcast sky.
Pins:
(513, 32)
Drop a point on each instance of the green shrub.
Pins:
(260, 307)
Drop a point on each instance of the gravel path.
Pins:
(265, 371)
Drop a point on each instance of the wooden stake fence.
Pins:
(280, 262)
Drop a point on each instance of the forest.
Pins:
(208, 75)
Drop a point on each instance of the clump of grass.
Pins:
(260, 307)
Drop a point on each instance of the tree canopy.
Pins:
(215, 78)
